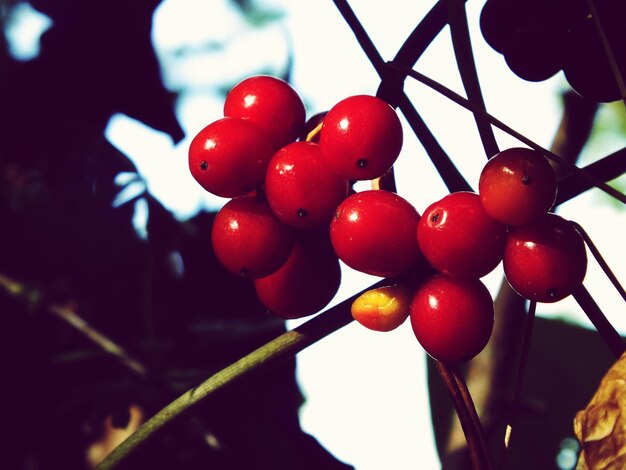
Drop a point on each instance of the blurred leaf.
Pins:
(564, 364)
(258, 15)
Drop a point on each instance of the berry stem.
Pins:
(466, 412)
(314, 132)
(608, 333)
(387, 182)
(519, 380)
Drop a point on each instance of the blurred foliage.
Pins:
(257, 15)
(610, 127)
(565, 365)
(165, 299)
(539, 38)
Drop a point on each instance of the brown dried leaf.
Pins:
(601, 426)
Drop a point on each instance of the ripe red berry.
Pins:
(305, 284)
(546, 260)
(300, 188)
(361, 137)
(248, 239)
(458, 238)
(271, 104)
(517, 185)
(374, 232)
(452, 318)
(229, 157)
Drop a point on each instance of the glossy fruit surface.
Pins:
(305, 284)
(452, 318)
(361, 137)
(374, 232)
(271, 104)
(248, 239)
(383, 308)
(300, 188)
(229, 157)
(458, 238)
(517, 185)
(546, 260)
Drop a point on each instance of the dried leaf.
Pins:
(601, 426)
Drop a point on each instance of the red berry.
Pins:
(374, 232)
(452, 318)
(271, 104)
(546, 260)
(229, 157)
(458, 238)
(517, 185)
(300, 188)
(305, 284)
(248, 239)
(361, 137)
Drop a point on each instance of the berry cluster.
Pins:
(463, 237)
(466, 235)
(293, 216)
(286, 186)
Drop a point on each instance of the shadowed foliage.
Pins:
(166, 300)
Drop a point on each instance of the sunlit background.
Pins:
(366, 394)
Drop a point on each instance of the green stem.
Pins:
(258, 361)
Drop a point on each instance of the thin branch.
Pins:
(519, 380)
(608, 333)
(102, 341)
(606, 169)
(109, 346)
(422, 36)
(462, 45)
(600, 259)
(499, 124)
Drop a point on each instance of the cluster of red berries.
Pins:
(285, 187)
(292, 218)
(466, 235)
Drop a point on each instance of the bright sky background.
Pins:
(366, 391)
